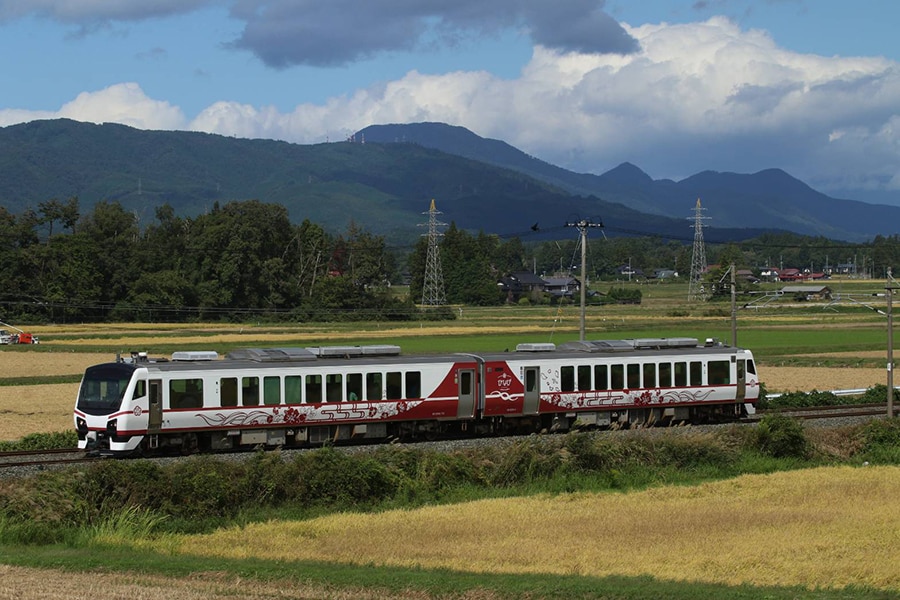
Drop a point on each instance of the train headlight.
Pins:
(112, 425)
(81, 424)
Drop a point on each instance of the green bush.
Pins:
(42, 441)
(781, 437)
(881, 441)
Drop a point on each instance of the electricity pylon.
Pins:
(433, 283)
(698, 257)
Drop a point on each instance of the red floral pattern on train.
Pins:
(305, 415)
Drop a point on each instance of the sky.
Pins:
(673, 86)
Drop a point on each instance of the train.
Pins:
(199, 401)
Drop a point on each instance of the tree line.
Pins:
(246, 259)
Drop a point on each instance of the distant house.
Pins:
(628, 271)
(808, 292)
(519, 284)
(746, 275)
(561, 286)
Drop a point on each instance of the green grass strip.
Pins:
(433, 582)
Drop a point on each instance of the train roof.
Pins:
(330, 356)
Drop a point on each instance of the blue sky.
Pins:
(673, 86)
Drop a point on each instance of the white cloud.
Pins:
(124, 103)
(696, 96)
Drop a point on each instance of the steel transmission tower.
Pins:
(698, 257)
(433, 283)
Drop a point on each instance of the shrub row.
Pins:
(206, 491)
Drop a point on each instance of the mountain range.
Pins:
(384, 177)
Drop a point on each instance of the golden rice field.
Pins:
(818, 528)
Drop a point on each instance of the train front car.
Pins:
(111, 408)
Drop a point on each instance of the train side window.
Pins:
(601, 382)
(314, 389)
(530, 380)
(250, 391)
(293, 389)
(271, 390)
(696, 373)
(228, 394)
(334, 387)
(681, 374)
(186, 393)
(413, 384)
(140, 389)
(665, 375)
(633, 372)
(373, 386)
(649, 375)
(567, 379)
(617, 374)
(584, 378)
(354, 386)
(394, 385)
(719, 372)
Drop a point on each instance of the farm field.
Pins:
(822, 530)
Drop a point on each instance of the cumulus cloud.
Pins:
(283, 33)
(311, 32)
(88, 12)
(695, 96)
(124, 103)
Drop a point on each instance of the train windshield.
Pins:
(103, 388)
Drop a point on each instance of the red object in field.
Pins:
(26, 338)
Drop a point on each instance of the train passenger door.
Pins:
(741, 391)
(532, 390)
(155, 418)
(466, 380)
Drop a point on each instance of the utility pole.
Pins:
(733, 310)
(583, 226)
(889, 292)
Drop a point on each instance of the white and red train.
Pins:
(304, 396)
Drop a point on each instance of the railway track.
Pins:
(825, 412)
(40, 459)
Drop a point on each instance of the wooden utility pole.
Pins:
(583, 226)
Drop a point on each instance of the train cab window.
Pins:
(601, 380)
(633, 372)
(186, 393)
(228, 391)
(567, 379)
(617, 377)
(681, 373)
(649, 375)
(293, 389)
(751, 368)
(314, 389)
(373, 386)
(334, 387)
(719, 372)
(271, 390)
(696, 372)
(250, 391)
(584, 378)
(354, 386)
(394, 385)
(413, 384)
(140, 389)
(665, 375)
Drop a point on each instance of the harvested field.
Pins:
(819, 528)
(824, 379)
(26, 409)
(42, 364)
